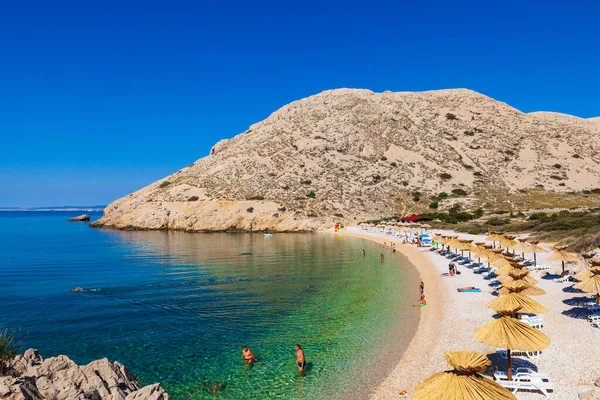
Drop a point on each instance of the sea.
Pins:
(176, 307)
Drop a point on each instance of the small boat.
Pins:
(268, 235)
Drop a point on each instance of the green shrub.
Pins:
(311, 195)
(557, 166)
(7, 348)
(497, 221)
(433, 204)
(445, 176)
(556, 177)
(478, 213)
(416, 198)
(306, 182)
(194, 198)
(442, 195)
(256, 198)
(477, 173)
(597, 190)
(451, 116)
(339, 215)
(250, 209)
(459, 192)
(164, 184)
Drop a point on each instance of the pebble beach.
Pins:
(450, 319)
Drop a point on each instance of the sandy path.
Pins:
(450, 319)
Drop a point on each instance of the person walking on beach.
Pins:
(300, 358)
(247, 355)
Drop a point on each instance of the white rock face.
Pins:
(30, 377)
(363, 154)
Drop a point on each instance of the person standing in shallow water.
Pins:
(364, 253)
(247, 355)
(300, 358)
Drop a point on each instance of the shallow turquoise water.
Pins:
(176, 308)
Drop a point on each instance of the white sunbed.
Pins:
(522, 383)
(539, 267)
(563, 279)
(535, 321)
(503, 353)
(594, 319)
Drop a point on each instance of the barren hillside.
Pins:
(353, 155)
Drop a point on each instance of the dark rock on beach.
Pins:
(31, 377)
(81, 218)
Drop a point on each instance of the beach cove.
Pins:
(450, 318)
(175, 308)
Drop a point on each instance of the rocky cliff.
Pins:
(355, 155)
(30, 377)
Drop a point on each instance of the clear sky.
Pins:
(99, 98)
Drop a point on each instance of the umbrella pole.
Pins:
(509, 365)
(563, 266)
(534, 260)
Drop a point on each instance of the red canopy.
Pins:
(414, 218)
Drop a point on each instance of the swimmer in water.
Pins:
(247, 355)
(300, 358)
(364, 253)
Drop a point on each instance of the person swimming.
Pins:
(247, 355)
(300, 358)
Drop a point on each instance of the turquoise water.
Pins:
(176, 308)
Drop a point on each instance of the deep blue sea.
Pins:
(176, 307)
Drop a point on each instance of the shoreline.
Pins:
(419, 347)
(449, 321)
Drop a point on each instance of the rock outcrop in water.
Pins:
(81, 218)
(356, 155)
(30, 377)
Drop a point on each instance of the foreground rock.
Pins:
(30, 377)
(84, 217)
(355, 155)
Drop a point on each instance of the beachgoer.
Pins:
(423, 302)
(307, 287)
(300, 358)
(247, 355)
(382, 257)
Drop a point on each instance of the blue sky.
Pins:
(98, 99)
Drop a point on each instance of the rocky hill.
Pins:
(355, 155)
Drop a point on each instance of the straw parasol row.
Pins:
(464, 382)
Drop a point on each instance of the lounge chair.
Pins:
(539, 267)
(526, 383)
(518, 353)
(593, 318)
(563, 279)
(535, 321)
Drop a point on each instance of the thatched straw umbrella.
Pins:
(464, 382)
(521, 247)
(591, 285)
(520, 286)
(511, 334)
(587, 273)
(525, 304)
(517, 275)
(563, 255)
(494, 237)
(534, 248)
